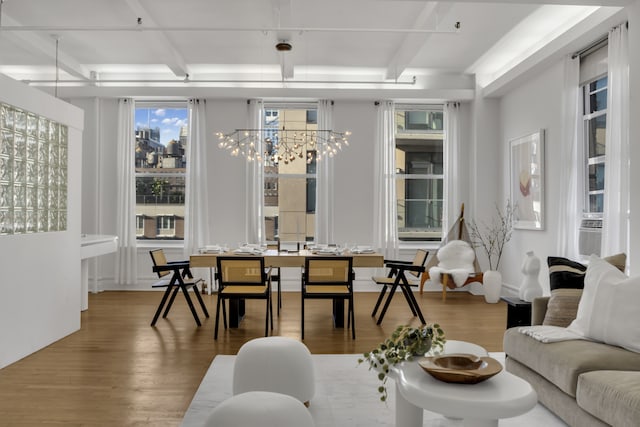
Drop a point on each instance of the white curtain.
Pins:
(615, 225)
(255, 231)
(385, 215)
(570, 206)
(126, 258)
(452, 200)
(196, 223)
(324, 181)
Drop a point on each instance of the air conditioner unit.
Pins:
(590, 236)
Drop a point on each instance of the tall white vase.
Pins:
(492, 284)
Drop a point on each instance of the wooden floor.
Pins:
(119, 371)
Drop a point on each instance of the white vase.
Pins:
(492, 283)
(530, 287)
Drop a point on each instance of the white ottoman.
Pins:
(260, 408)
(277, 364)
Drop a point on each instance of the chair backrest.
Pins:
(328, 270)
(418, 260)
(237, 270)
(158, 258)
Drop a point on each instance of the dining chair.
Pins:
(241, 278)
(175, 276)
(330, 278)
(395, 278)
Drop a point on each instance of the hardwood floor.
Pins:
(119, 371)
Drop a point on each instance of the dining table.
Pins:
(282, 259)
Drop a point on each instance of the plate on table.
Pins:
(460, 368)
(362, 250)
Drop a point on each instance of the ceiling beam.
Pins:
(543, 2)
(159, 42)
(413, 42)
(42, 45)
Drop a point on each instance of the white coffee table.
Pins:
(477, 405)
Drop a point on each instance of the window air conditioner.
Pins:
(590, 236)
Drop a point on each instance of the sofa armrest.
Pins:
(539, 310)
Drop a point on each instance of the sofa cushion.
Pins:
(562, 307)
(612, 396)
(562, 362)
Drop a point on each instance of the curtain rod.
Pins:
(597, 44)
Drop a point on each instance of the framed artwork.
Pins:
(527, 180)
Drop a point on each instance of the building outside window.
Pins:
(161, 140)
(419, 142)
(595, 129)
(290, 185)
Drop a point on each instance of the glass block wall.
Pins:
(33, 173)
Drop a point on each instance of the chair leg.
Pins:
(266, 318)
(353, 318)
(382, 292)
(406, 292)
(215, 333)
(171, 300)
(224, 314)
(414, 303)
(423, 279)
(387, 302)
(444, 279)
(162, 302)
(190, 303)
(201, 301)
(302, 318)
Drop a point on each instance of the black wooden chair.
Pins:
(330, 278)
(241, 278)
(175, 276)
(397, 278)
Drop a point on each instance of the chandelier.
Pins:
(282, 145)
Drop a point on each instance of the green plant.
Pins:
(492, 237)
(404, 343)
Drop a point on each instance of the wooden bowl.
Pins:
(460, 368)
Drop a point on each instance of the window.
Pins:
(161, 139)
(595, 129)
(419, 172)
(289, 186)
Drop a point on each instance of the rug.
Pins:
(346, 395)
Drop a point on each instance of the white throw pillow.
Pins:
(608, 310)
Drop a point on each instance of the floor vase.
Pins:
(492, 283)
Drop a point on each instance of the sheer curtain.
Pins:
(452, 201)
(196, 224)
(324, 181)
(126, 257)
(616, 181)
(569, 208)
(255, 181)
(385, 232)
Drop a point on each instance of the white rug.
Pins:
(346, 395)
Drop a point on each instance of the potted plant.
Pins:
(492, 238)
(404, 344)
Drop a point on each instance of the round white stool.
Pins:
(260, 408)
(277, 364)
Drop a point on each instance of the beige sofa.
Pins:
(585, 383)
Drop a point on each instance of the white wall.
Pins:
(41, 272)
(533, 106)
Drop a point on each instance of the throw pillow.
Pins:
(608, 310)
(562, 307)
(565, 273)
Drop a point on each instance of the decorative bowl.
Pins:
(460, 368)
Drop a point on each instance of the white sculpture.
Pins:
(530, 287)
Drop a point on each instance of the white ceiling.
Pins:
(357, 48)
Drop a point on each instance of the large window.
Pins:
(290, 185)
(595, 129)
(419, 172)
(161, 139)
